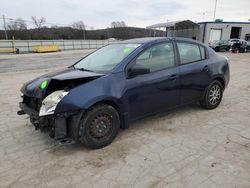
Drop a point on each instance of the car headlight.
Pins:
(50, 102)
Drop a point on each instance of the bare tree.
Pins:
(116, 24)
(113, 25)
(38, 22)
(17, 24)
(79, 25)
(123, 24)
(54, 26)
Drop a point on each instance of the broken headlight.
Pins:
(50, 102)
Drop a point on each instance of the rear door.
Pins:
(194, 71)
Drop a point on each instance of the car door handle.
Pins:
(173, 77)
(205, 68)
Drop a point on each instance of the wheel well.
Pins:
(111, 103)
(221, 81)
(116, 107)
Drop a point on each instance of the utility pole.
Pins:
(215, 7)
(203, 16)
(212, 27)
(4, 24)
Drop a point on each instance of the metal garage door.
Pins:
(215, 34)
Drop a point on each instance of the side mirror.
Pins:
(137, 70)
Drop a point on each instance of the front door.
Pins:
(158, 90)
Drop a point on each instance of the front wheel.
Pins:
(213, 95)
(99, 126)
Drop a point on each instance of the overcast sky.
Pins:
(139, 13)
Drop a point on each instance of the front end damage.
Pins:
(63, 128)
(40, 98)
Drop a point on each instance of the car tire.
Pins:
(212, 96)
(99, 126)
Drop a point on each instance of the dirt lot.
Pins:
(189, 147)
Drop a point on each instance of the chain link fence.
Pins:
(25, 46)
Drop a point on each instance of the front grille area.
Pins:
(32, 102)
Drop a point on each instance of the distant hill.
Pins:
(46, 33)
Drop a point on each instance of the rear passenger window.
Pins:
(189, 52)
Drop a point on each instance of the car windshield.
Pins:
(106, 58)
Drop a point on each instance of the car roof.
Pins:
(143, 40)
(147, 40)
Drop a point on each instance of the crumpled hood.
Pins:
(60, 80)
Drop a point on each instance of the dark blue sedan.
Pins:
(119, 83)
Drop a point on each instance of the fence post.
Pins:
(28, 43)
(96, 44)
(73, 44)
(81, 45)
(89, 44)
(63, 45)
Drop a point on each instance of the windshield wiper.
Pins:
(83, 69)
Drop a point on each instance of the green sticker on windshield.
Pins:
(126, 50)
(44, 84)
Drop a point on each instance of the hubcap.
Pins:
(214, 95)
(101, 126)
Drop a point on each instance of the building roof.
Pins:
(228, 22)
(183, 24)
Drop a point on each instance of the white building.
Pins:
(206, 31)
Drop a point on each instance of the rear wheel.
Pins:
(99, 126)
(212, 96)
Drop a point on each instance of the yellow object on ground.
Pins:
(7, 50)
(45, 48)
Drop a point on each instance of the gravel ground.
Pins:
(190, 147)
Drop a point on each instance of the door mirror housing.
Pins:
(137, 70)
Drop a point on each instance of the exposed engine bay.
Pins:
(41, 96)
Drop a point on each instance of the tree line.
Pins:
(18, 29)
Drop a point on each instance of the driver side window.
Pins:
(158, 57)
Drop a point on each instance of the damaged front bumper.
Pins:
(62, 127)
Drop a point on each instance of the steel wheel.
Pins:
(99, 126)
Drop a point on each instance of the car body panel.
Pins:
(33, 88)
(147, 94)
